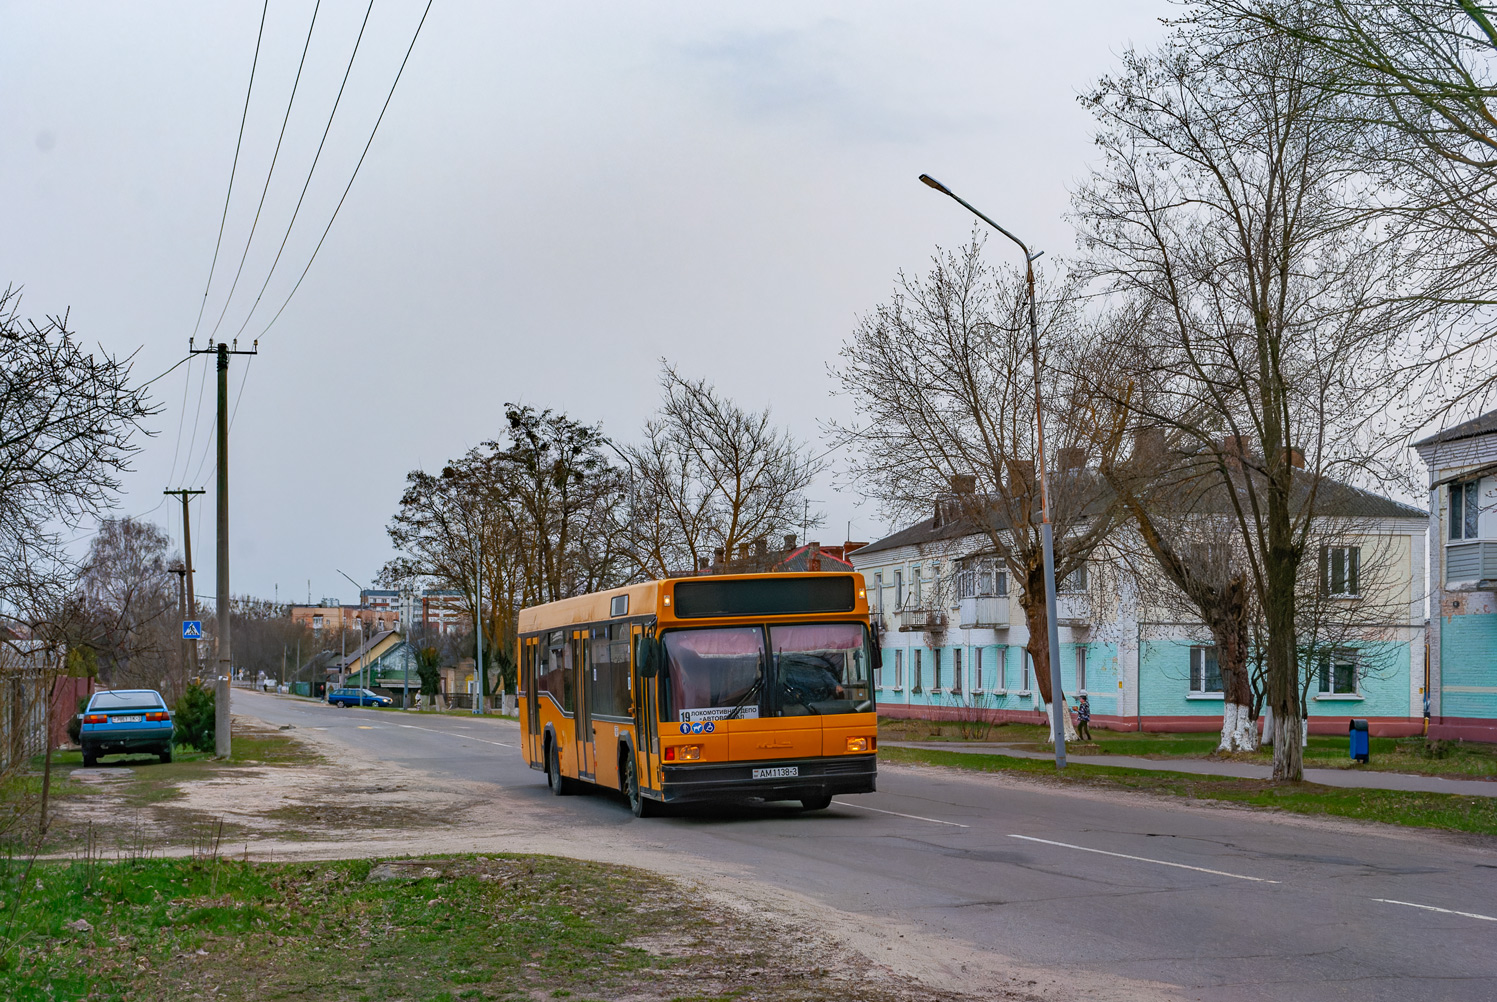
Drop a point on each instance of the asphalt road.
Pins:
(1226, 905)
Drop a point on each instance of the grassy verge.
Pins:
(444, 929)
(1473, 760)
(1417, 810)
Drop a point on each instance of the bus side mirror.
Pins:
(647, 655)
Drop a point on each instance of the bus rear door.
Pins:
(582, 664)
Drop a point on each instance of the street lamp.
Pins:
(1047, 537)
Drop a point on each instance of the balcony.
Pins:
(984, 612)
(1073, 610)
(1470, 562)
(921, 620)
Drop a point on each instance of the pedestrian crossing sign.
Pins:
(192, 629)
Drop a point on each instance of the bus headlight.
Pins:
(858, 744)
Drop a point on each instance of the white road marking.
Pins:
(914, 817)
(1146, 859)
(1443, 911)
(463, 737)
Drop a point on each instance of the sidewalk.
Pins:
(1354, 778)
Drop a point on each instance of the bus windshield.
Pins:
(728, 673)
(821, 668)
(714, 672)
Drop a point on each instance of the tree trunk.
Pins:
(1283, 667)
(1039, 651)
(1230, 631)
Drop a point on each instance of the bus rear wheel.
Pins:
(639, 804)
(560, 785)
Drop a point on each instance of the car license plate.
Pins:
(778, 772)
(137, 718)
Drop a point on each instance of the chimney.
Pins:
(743, 552)
(1148, 446)
(1295, 457)
(761, 547)
(789, 541)
(1070, 458)
(718, 557)
(813, 559)
(963, 483)
(1020, 476)
(703, 565)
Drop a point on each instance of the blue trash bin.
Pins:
(1360, 742)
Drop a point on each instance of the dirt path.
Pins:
(280, 812)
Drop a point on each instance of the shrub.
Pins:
(195, 718)
(75, 726)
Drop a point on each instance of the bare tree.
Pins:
(1265, 319)
(710, 475)
(942, 377)
(130, 599)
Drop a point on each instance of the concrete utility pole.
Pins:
(1047, 538)
(191, 610)
(478, 672)
(225, 659)
(181, 572)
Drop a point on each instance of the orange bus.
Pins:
(726, 687)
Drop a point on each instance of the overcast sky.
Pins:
(560, 194)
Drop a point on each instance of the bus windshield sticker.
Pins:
(718, 713)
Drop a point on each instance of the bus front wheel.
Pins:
(817, 803)
(639, 804)
(559, 784)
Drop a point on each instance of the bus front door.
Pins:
(532, 707)
(647, 756)
(582, 664)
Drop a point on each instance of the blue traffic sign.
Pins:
(192, 629)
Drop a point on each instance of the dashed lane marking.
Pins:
(1443, 911)
(1146, 859)
(913, 817)
(450, 734)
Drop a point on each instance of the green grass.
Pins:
(1413, 755)
(472, 927)
(1417, 810)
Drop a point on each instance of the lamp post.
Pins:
(1047, 537)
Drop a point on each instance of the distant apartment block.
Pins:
(430, 610)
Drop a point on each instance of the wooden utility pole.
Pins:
(190, 608)
(223, 616)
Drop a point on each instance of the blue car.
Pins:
(358, 697)
(126, 720)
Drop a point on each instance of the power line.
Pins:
(244, 116)
(370, 143)
(310, 171)
(271, 172)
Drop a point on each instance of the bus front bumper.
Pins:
(811, 777)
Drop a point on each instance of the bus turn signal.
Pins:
(683, 753)
(859, 744)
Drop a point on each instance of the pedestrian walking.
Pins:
(1083, 717)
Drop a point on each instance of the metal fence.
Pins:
(23, 716)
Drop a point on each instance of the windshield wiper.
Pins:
(758, 681)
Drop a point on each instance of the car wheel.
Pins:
(89, 759)
(165, 754)
(560, 785)
(817, 803)
(639, 804)
(342, 705)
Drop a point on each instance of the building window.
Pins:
(899, 589)
(1080, 669)
(919, 585)
(1465, 507)
(1028, 671)
(878, 674)
(977, 669)
(899, 669)
(1340, 571)
(935, 663)
(956, 669)
(1338, 672)
(878, 591)
(915, 667)
(981, 580)
(1205, 670)
(1074, 581)
(316, 622)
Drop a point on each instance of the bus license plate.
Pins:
(778, 772)
(126, 720)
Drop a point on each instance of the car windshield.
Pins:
(821, 668)
(713, 672)
(143, 699)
